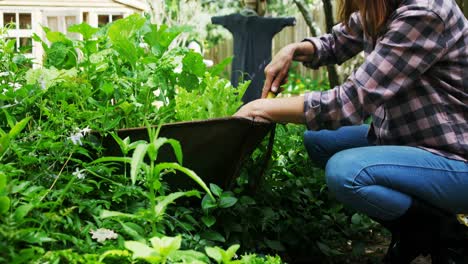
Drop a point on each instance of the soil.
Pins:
(374, 253)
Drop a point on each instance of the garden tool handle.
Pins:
(271, 95)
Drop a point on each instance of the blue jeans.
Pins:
(380, 181)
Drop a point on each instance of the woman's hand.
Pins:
(277, 70)
(279, 110)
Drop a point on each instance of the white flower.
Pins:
(43, 83)
(157, 104)
(15, 86)
(76, 138)
(79, 174)
(85, 131)
(2, 74)
(157, 92)
(103, 234)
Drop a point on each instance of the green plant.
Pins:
(216, 98)
(152, 174)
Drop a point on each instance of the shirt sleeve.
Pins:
(414, 41)
(338, 46)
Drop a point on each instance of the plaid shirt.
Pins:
(413, 82)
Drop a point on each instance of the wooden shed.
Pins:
(25, 17)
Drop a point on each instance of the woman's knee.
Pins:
(316, 146)
(341, 172)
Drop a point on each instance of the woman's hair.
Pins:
(374, 13)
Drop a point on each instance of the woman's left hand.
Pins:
(254, 111)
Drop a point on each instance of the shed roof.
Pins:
(135, 4)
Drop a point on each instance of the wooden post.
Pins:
(465, 7)
(332, 74)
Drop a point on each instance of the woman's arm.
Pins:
(278, 110)
(414, 41)
(333, 48)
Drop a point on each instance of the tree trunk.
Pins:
(307, 17)
(332, 74)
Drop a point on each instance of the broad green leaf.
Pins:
(230, 253)
(107, 88)
(216, 70)
(188, 172)
(214, 253)
(123, 144)
(227, 201)
(61, 55)
(3, 181)
(141, 250)
(19, 127)
(10, 119)
(4, 144)
(356, 219)
(208, 220)
(161, 37)
(159, 142)
(189, 81)
(216, 189)
(4, 204)
(213, 236)
(208, 203)
(193, 63)
(122, 34)
(84, 29)
(37, 237)
(107, 214)
(189, 256)
(137, 161)
(55, 36)
(131, 232)
(22, 211)
(164, 201)
(166, 245)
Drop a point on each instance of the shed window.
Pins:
(108, 18)
(25, 45)
(25, 21)
(17, 20)
(9, 20)
(103, 20)
(116, 17)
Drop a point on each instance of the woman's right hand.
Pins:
(276, 72)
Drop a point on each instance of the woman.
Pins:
(409, 168)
